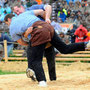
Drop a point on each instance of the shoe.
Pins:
(42, 84)
(30, 74)
(88, 45)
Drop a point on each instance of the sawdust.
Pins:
(73, 77)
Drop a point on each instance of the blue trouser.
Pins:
(35, 54)
(5, 36)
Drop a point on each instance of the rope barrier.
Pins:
(8, 42)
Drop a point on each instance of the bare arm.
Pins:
(39, 12)
(45, 14)
(21, 42)
(48, 11)
(28, 31)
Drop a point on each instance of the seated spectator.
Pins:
(88, 23)
(81, 34)
(64, 38)
(78, 20)
(56, 26)
(1, 52)
(68, 13)
(62, 16)
(3, 16)
(29, 3)
(71, 33)
(1, 10)
(62, 9)
(79, 12)
(8, 9)
(5, 36)
(71, 19)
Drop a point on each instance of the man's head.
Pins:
(17, 8)
(8, 18)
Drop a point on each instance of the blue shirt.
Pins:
(1, 10)
(35, 7)
(63, 17)
(72, 1)
(8, 9)
(2, 17)
(20, 24)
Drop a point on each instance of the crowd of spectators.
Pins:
(76, 12)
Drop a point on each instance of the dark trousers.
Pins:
(64, 48)
(35, 54)
(50, 56)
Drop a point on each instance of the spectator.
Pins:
(4, 36)
(3, 16)
(1, 52)
(68, 13)
(88, 34)
(78, 20)
(56, 26)
(81, 34)
(2, 2)
(62, 9)
(6, 2)
(39, 1)
(8, 9)
(63, 37)
(68, 1)
(28, 3)
(71, 33)
(1, 10)
(62, 16)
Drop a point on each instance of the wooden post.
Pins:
(5, 51)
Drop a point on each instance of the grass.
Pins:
(8, 72)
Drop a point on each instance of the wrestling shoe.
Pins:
(88, 45)
(42, 84)
(30, 74)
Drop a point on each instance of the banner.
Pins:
(66, 27)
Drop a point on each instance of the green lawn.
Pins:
(7, 72)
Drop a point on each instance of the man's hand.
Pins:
(28, 31)
(48, 20)
(21, 42)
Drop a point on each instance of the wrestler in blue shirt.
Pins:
(27, 18)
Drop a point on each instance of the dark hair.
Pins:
(8, 16)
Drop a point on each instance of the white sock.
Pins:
(42, 84)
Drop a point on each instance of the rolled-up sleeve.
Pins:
(34, 7)
(15, 37)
